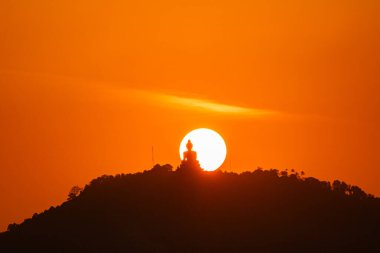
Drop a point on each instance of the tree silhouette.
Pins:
(74, 192)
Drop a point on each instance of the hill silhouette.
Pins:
(162, 210)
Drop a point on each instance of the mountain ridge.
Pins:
(161, 210)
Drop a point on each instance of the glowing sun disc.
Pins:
(209, 145)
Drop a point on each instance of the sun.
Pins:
(209, 145)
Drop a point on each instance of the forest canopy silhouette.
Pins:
(162, 210)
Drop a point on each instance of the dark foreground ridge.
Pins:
(175, 211)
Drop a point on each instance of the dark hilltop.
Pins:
(162, 210)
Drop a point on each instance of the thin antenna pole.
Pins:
(230, 155)
(152, 155)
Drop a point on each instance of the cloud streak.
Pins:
(155, 98)
(191, 103)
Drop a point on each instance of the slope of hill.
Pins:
(166, 211)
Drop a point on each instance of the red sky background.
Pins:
(87, 87)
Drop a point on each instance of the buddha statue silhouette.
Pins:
(189, 162)
(189, 155)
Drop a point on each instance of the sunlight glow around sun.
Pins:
(209, 145)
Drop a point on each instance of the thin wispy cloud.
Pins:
(155, 98)
(199, 104)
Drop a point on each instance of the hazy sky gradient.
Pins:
(73, 74)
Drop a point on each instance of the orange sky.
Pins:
(87, 87)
